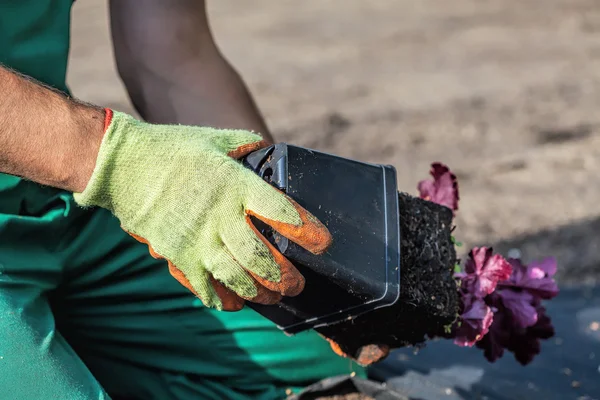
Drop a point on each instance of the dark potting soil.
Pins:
(428, 300)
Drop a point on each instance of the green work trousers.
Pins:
(87, 313)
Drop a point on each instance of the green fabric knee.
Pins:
(137, 329)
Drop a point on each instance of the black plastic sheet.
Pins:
(568, 366)
(344, 385)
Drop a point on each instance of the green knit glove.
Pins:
(180, 190)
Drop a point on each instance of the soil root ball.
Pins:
(428, 301)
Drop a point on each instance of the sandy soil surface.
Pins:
(506, 93)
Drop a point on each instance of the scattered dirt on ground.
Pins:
(350, 396)
(507, 93)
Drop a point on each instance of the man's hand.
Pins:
(181, 190)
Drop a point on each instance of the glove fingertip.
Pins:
(264, 295)
(372, 353)
(316, 237)
(211, 300)
(291, 281)
(247, 148)
(336, 348)
(365, 355)
(309, 232)
(230, 300)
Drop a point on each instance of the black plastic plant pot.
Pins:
(387, 280)
(358, 202)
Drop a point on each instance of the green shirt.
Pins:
(34, 40)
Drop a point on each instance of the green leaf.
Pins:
(457, 244)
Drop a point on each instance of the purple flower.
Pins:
(442, 189)
(483, 270)
(523, 291)
(494, 343)
(475, 321)
(500, 300)
(535, 278)
(520, 321)
(524, 343)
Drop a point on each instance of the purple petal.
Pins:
(443, 189)
(543, 328)
(525, 343)
(525, 348)
(494, 343)
(536, 273)
(547, 265)
(519, 271)
(496, 340)
(475, 321)
(460, 275)
(520, 304)
(484, 271)
(536, 278)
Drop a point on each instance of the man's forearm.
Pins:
(174, 71)
(211, 94)
(45, 136)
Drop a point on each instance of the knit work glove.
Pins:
(180, 190)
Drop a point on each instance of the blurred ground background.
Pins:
(506, 93)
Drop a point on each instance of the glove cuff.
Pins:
(107, 118)
(93, 194)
